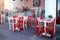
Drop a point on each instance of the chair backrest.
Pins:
(15, 16)
(35, 22)
(41, 17)
(14, 19)
(20, 20)
(53, 27)
(29, 18)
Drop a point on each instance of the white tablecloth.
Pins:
(11, 18)
(45, 21)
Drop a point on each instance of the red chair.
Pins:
(41, 17)
(29, 21)
(19, 25)
(39, 29)
(51, 29)
(35, 22)
(15, 26)
(0, 18)
(14, 17)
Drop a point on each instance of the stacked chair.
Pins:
(38, 27)
(19, 25)
(29, 21)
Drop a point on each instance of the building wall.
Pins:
(50, 8)
(29, 3)
(18, 3)
(1, 5)
(8, 4)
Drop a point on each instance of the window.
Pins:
(21, 0)
(13, 0)
(36, 2)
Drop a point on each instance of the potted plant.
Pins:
(50, 16)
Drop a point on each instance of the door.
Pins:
(58, 12)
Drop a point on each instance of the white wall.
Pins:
(50, 8)
(18, 3)
(8, 4)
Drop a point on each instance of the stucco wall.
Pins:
(29, 3)
(1, 5)
(50, 8)
(18, 3)
(9, 4)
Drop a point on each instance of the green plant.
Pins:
(50, 16)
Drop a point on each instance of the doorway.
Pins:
(58, 11)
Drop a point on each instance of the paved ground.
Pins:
(28, 34)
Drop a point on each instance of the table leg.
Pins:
(44, 29)
(9, 25)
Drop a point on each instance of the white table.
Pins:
(11, 18)
(25, 19)
(45, 21)
(11, 23)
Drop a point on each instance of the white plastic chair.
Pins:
(2, 17)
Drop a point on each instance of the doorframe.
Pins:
(56, 10)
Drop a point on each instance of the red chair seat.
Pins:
(39, 29)
(35, 22)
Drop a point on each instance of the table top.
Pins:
(45, 20)
(25, 17)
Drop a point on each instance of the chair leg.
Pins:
(9, 25)
(13, 27)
